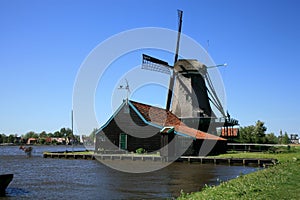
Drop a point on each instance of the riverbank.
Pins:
(278, 182)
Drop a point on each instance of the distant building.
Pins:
(229, 132)
(294, 139)
(48, 140)
(32, 141)
(59, 140)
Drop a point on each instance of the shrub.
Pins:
(140, 151)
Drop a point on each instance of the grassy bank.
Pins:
(71, 152)
(279, 182)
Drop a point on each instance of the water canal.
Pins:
(40, 178)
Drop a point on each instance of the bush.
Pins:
(140, 151)
(42, 141)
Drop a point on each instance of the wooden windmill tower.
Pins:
(191, 96)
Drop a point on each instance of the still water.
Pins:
(41, 178)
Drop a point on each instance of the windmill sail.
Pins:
(154, 64)
(172, 79)
(214, 97)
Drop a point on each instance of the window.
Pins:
(123, 141)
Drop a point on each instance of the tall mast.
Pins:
(73, 139)
(171, 84)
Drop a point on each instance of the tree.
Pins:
(271, 138)
(66, 132)
(69, 132)
(42, 140)
(280, 137)
(2, 138)
(31, 134)
(285, 138)
(43, 134)
(253, 134)
(50, 135)
(58, 134)
(246, 134)
(10, 138)
(259, 132)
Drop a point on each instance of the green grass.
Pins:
(81, 152)
(282, 156)
(279, 182)
(77, 152)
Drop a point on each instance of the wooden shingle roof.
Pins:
(165, 118)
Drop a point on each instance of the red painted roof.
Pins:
(164, 118)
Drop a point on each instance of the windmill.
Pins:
(191, 91)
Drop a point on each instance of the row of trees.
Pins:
(257, 134)
(7, 139)
(42, 137)
(62, 133)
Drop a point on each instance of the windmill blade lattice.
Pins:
(154, 64)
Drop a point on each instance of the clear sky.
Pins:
(43, 44)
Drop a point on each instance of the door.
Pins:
(123, 141)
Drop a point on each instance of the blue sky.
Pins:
(43, 44)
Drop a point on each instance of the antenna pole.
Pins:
(171, 85)
(125, 88)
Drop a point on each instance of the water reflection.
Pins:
(41, 178)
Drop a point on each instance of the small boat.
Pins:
(5, 179)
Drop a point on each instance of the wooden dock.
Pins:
(228, 161)
(133, 157)
(78, 155)
(156, 158)
(69, 155)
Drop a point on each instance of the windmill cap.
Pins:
(189, 65)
